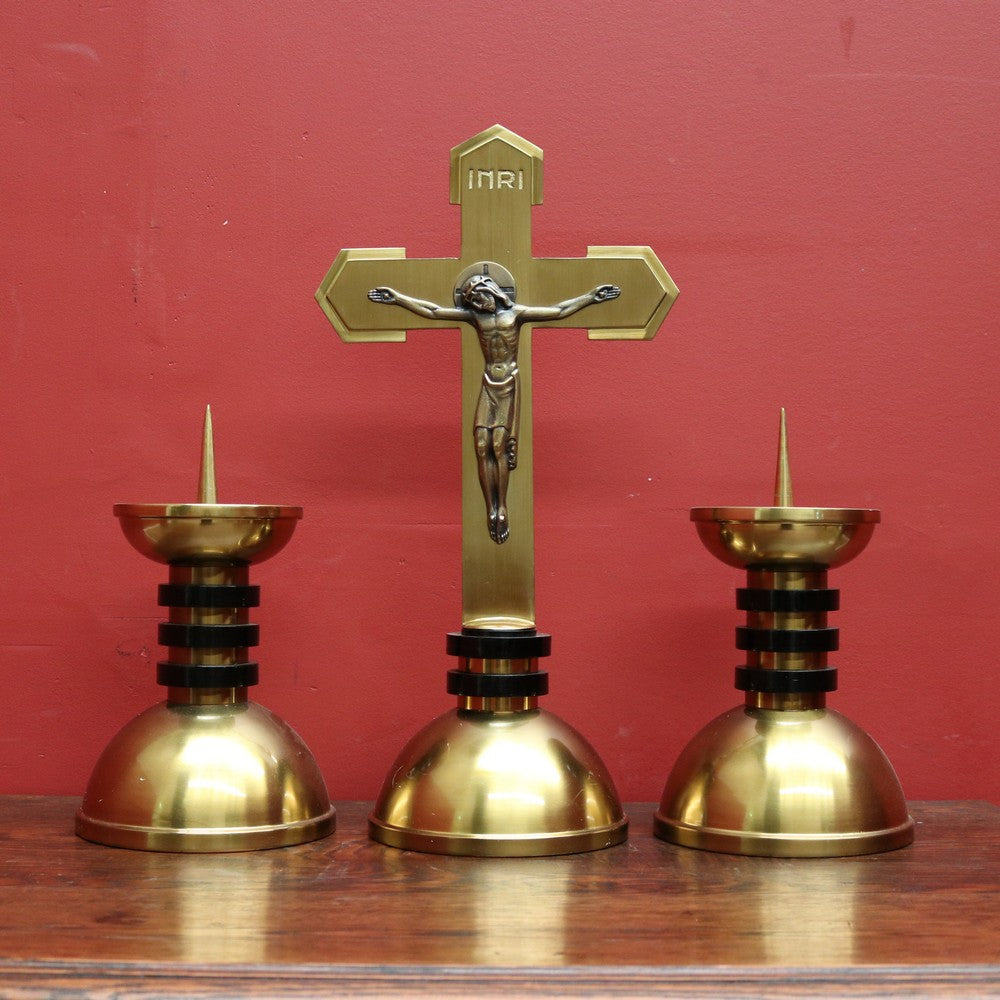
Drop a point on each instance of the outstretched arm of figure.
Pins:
(429, 310)
(602, 293)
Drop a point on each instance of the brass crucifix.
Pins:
(497, 319)
(496, 177)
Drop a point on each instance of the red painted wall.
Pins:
(821, 181)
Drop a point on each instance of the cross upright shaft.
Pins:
(496, 177)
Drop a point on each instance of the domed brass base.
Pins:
(498, 784)
(784, 784)
(204, 778)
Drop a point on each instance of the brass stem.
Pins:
(498, 706)
(207, 696)
(501, 666)
(786, 702)
(493, 666)
(210, 574)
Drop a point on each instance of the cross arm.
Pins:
(343, 294)
(647, 291)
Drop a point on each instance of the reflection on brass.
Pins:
(811, 919)
(222, 913)
(498, 776)
(497, 319)
(783, 775)
(206, 770)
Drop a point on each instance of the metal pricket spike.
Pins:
(782, 477)
(206, 481)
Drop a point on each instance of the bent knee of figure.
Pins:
(484, 445)
(499, 442)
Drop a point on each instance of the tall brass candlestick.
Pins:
(206, 770)
(783, 775)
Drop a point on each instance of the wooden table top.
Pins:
(347, 916)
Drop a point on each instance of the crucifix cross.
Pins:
(491, 292)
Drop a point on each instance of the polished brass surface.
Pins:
(784, 784)
(207, 533)
(202, 777)
(206, 770)
(784, 536)
(498, 784)
(782, 775)
(496, 177)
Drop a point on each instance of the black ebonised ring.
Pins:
(473, 685)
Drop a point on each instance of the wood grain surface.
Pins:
(346, 916)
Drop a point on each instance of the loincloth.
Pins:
(499, 404)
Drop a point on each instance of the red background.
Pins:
(820, 180)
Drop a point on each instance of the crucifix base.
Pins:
(498, 776)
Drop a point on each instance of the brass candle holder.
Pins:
(783, 775)
(498, 776)
(207, 769)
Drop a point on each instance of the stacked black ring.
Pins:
(786, 681)
(769, 680)
(208, 636)
(206, 675)
(218, 636)
(470, 685)
(493, 644)
(787, 601)
(197, 595)
(787, 640)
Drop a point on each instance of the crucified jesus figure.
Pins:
(497, 319)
